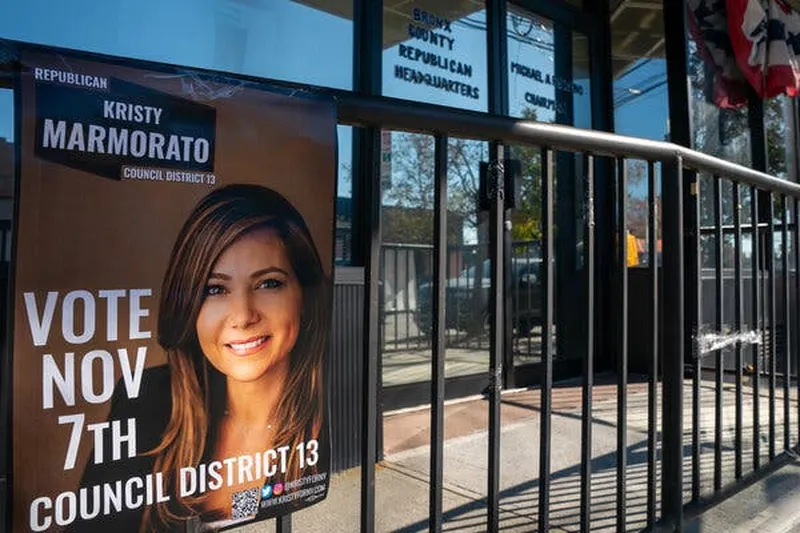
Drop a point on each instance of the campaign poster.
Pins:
(172, 299)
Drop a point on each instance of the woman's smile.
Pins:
(248, 346)
(250, 317)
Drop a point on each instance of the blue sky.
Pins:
(306, 45)
(288, 41)
(641, 97)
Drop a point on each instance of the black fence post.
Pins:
(672, 361)
(283, 524)
(371, 353)
(367, 57)
(497, 336)
(438, 348)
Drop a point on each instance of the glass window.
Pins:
(6, 165)
(343, 249)
(548, 70)
(641, 107)
(720, 125)
(6, 193)
(718, 110)
(315, 40)
(468, 265)
(548, 80)
(779, 121)
(526, 259)
(300, 41)
(407, 258)
(436, 54)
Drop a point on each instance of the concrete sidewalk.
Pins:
(401, 486)
(771, 505)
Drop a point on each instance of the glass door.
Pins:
(549, 80)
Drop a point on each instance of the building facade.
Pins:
(643, 69)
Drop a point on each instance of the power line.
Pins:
(643, 92)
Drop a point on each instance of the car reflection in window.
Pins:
(467, 299)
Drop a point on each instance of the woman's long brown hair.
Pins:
(198, 390)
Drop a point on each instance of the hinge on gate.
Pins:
(590, 211)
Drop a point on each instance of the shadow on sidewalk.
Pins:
(520, 503)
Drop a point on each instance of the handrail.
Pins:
(418, 117)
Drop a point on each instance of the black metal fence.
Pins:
(686, 349)
(722, 319)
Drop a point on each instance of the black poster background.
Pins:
(183, 118)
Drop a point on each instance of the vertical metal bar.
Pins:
(548, 259)
(720, 287)
(367, 78)
(7, 344)
(773, 337)
(283, 524)
(756, 352)
(496, 34)
(396, 272)
(497, 334)
(652, 384)
(529, 256)
(514, 284)
(786, 329)
(622, 354)
(797, 306)
(438, 352)
(475, 282)
(672, 361)
(382, 308)
(588, 371)
(677, 60)
(497, 103)
(738, 319)
(407, 296)
(511, 284)
(451, 258)
(696, 299)
(367, 53)
(681, 133)
(369, 387)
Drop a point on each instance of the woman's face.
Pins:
(250, 317)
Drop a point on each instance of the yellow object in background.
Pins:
(632, 250)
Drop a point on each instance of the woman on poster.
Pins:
(238, 411)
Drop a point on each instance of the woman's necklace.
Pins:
(244, 427)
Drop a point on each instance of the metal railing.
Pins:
(676, 354)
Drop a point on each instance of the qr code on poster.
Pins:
(245, 503)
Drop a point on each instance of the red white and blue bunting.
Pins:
(752, 41)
